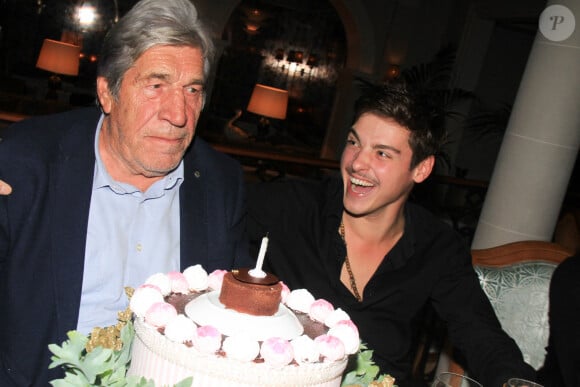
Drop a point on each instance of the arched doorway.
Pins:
(298, 46)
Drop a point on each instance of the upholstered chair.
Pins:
(516, 278)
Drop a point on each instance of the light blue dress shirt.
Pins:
(131, 235)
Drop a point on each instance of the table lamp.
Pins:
(268, 102)
(59, 58)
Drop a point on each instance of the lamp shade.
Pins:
(269, 102)
(59, 57)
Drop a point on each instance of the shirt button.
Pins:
(139, 247)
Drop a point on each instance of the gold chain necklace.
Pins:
(347, 264)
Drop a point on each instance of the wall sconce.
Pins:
(86, 15)
(58, 58)
(251, 29)
(268, 102)
(279, 54)
(253, 20)
(312, 61)
(95, 15)
(393, 71)
(295, 56)
(300, 63)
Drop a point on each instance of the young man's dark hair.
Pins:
(411, 108)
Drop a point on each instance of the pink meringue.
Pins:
(320, 310)
(216, 278)
(300, 300)
(180, 329)
(143, 297)
(196, 277)
(336, 316)
(159, 314)
(305, 350)
(331, 348)
(347, 332)
(161, 281)
(241, 348)
(207, 339)
(285, 292)
(277, 352)
(178, 281)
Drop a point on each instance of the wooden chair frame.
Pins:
(522, 251)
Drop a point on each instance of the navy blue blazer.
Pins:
(49, 161)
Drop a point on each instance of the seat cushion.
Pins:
(519, 294)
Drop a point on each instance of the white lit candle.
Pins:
(257, 271)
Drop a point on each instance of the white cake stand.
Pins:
(208, 310)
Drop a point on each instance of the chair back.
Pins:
(516, 279)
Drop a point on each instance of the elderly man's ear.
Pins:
(5, 189)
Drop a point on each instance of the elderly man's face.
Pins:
(152, 122)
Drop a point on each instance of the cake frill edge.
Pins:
(79, 365)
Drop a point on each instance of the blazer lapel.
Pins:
(70, 195)
(194, 220)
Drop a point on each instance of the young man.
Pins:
(358, 243)
(104, 198)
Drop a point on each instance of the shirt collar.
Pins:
(401, 252)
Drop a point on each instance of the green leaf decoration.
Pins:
(71, 351)
(363, 371)
(187, 382)
(99, 367)
(96, 363)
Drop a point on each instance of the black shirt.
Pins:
(429, 264)
(561, 367)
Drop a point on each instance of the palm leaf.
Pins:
(486, 121)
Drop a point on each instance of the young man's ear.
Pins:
(423, 169)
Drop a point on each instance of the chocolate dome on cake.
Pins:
(245, 293)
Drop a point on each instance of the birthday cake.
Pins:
(229, 329)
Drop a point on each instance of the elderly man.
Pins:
(105, 197)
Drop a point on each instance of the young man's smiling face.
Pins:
(376, 166)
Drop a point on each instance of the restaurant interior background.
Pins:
(315, 55)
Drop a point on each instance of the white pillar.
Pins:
(542, 139)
